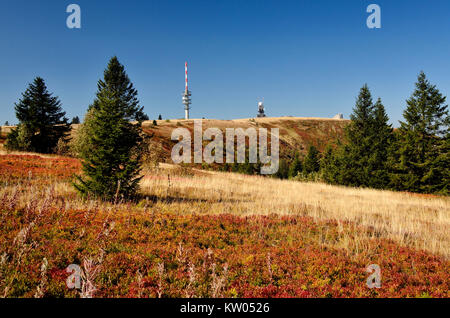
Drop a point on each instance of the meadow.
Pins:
(200, 233)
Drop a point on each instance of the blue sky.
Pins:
(306, 58)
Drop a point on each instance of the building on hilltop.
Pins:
(261, 109)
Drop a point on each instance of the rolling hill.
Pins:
(296, 133)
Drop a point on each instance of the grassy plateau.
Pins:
(210, 234)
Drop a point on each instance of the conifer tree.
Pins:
(442, 164)
(359, 133)
(75, 120)
(283, 170)
(111, 163)
(42, 121)
(19, 139)
(142, 117)
(295, 167)
(330, 164)
(423, 150)
(311, 163)
(381, 141)
(363, 159)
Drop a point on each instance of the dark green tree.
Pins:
(330, 165)
(159, 117)
(363, 160)
(6, 123)
(442, 164)
(381, 143)
(295, 167)
(246, 168)
(311, 163)
(355, 169)
(41, 120)
(19, 139)
(423, 150)
(111, 164)
(75, 120)
(142, 117)
(283, 170)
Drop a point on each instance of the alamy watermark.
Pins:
(74, 280)
(214, 151)
(374, 280)
(374, 19)
(73, 21)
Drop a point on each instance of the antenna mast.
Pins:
(186, 94)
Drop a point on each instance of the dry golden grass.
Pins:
(418, 221)
(23, 153)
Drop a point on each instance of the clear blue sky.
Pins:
(306, 58)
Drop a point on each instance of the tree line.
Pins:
(415, 157)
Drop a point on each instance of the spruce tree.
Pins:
(311, 163)
(423, 141)
(330, 165)
(363, 159)
(19, 139)
(354, 155)
(283, 170)
(381, 141)
(295, 167)
(442, 164)
(142, 117)
(75, 120)
(41, 120)
(111, 163)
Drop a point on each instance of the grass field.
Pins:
(209, 234)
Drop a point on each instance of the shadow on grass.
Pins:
(178, 199)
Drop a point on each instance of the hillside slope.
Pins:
(296, 133)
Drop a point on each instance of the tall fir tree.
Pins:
(42, 121)
(442, 164)
(311, 163)
(142, 117)
(75, 120)
(111, 163)
(423, 150)
(359, 133)
(363, 159)
(328, 165)
(334, 168)
(283, 169)
(295, 167)
(382, 138)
